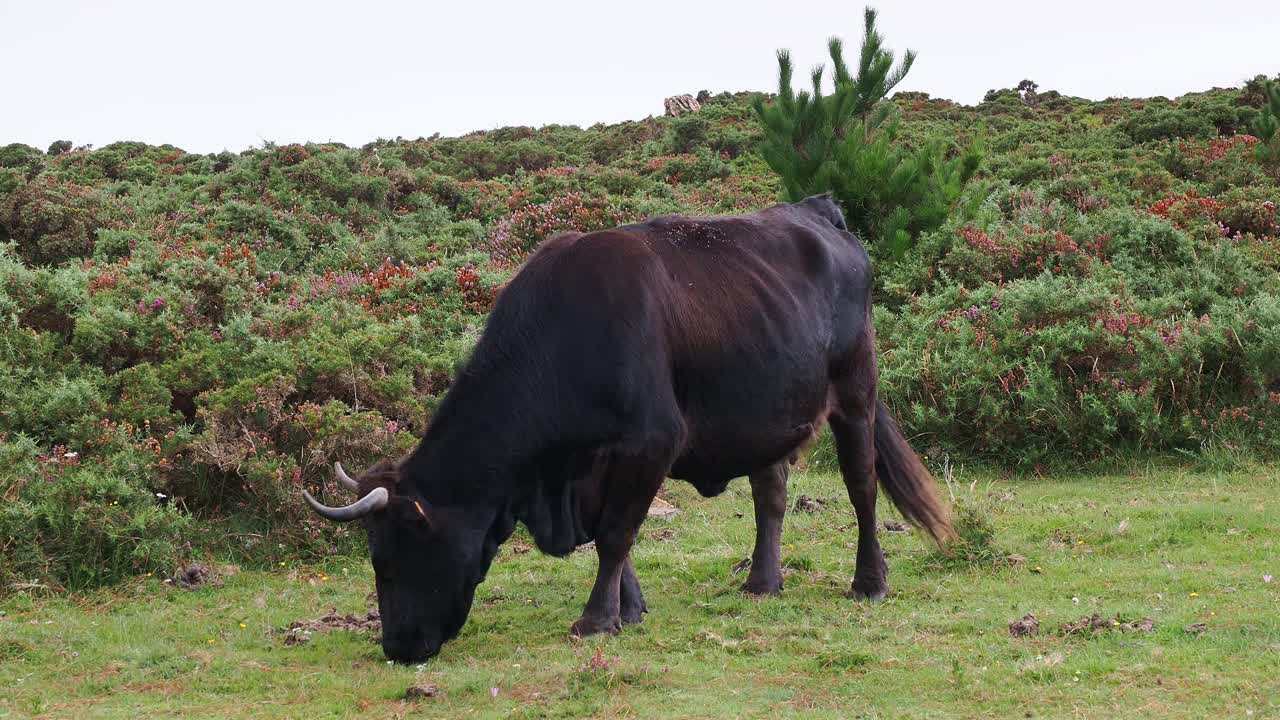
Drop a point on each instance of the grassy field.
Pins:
(1174, 546)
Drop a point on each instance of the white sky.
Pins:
(207, 75)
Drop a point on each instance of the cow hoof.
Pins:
(586, 626)
(633, 616)
(869, 591)
(754, 586)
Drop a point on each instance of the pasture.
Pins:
(1193, 551)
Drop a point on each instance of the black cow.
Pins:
(697, 348)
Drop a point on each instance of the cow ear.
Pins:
(385, 474)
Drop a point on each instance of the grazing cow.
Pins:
(697, 348)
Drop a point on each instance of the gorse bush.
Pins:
(190, 340)
(72, 520)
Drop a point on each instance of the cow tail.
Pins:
(909, 484)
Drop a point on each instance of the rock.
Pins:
(661, 508)
(1028, 625)
(678, 105)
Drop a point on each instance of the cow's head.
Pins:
(427, 560)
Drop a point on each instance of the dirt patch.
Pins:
(894, 526)
(520, 548)
(665, 533)
(1027, 625)
(1095, 624)
(299, 631)
(158, 687)
(418, 692)
(1195, 628)
(193, 576)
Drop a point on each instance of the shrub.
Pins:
(1158, 123)
(685, 169)
(18, 164)
(52, 222)
(72, 521)
(517, 235)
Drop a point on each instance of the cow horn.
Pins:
(374, 501)
(345, 479)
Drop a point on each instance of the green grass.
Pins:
(1134, 545)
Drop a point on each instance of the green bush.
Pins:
(73, 521)
(52, 222)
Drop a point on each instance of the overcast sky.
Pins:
(208, 76)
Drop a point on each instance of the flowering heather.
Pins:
(514, 237)
(728, 195)
(1026, 251)
(475, 295)
(1185, 208)
(1217, 148)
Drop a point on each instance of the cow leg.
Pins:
(854, 429)
(769, 495)
(629, 486)
(631, 601)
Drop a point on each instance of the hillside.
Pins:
(192, 339)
